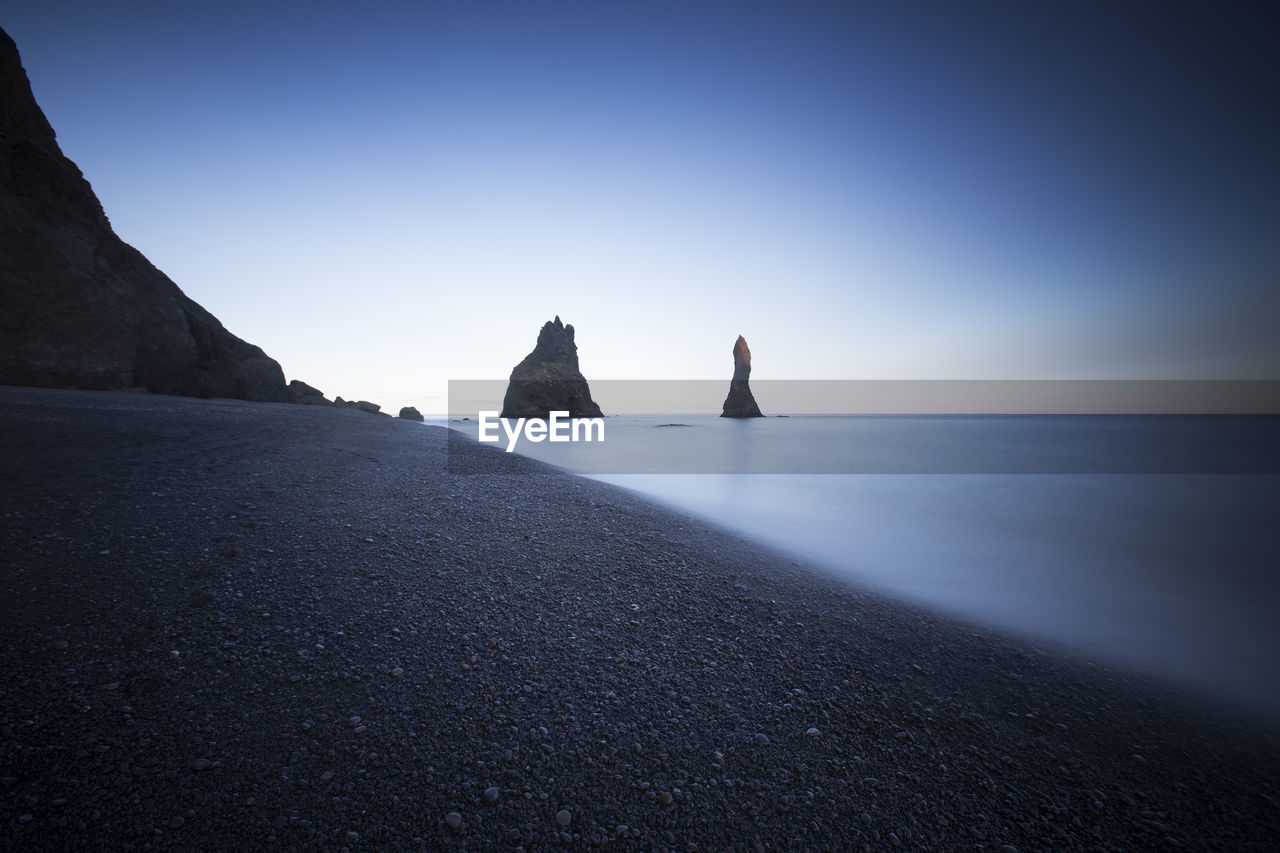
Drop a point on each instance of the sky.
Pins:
(387, 196)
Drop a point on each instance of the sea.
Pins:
(1148, 542)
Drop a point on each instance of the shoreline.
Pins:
(366, 644)
(1163, 577)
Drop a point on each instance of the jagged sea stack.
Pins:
(740, 403)
(80, 308)
(548, 380)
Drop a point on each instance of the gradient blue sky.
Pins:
(386, 196)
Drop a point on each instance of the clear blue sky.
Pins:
(386, 196)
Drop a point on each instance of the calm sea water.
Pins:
(1175, 574)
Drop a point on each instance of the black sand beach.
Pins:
(234, 626)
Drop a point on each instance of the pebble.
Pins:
(664, 798)
(813, 732)
(453, 820)
(563, 817)
(762, 739)
(622, 829)
(491, 794)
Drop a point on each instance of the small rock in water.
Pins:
(563, 817)
(453, 820)
(664, 798)
(813, 732)
(762, 739)
(491, 794)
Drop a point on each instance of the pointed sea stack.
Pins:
(740, 403)
(80, 308)
(548, 380)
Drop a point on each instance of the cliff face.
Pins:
(79, 308)
(741, 403)
(549, 379)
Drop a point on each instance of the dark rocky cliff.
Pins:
(80, 308)
(548, 379)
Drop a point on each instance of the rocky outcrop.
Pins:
(301, 392)
(360, 405)
(740, 403)
(548, 380)
(79, 308)
(409, 413)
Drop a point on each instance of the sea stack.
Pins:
(80, 308)
(740, 403)
(548, 380)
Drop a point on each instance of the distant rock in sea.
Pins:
(410, 413)
(740, 403)
(549, 379)
(79, 308)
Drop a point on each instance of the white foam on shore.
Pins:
(1170, 575)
